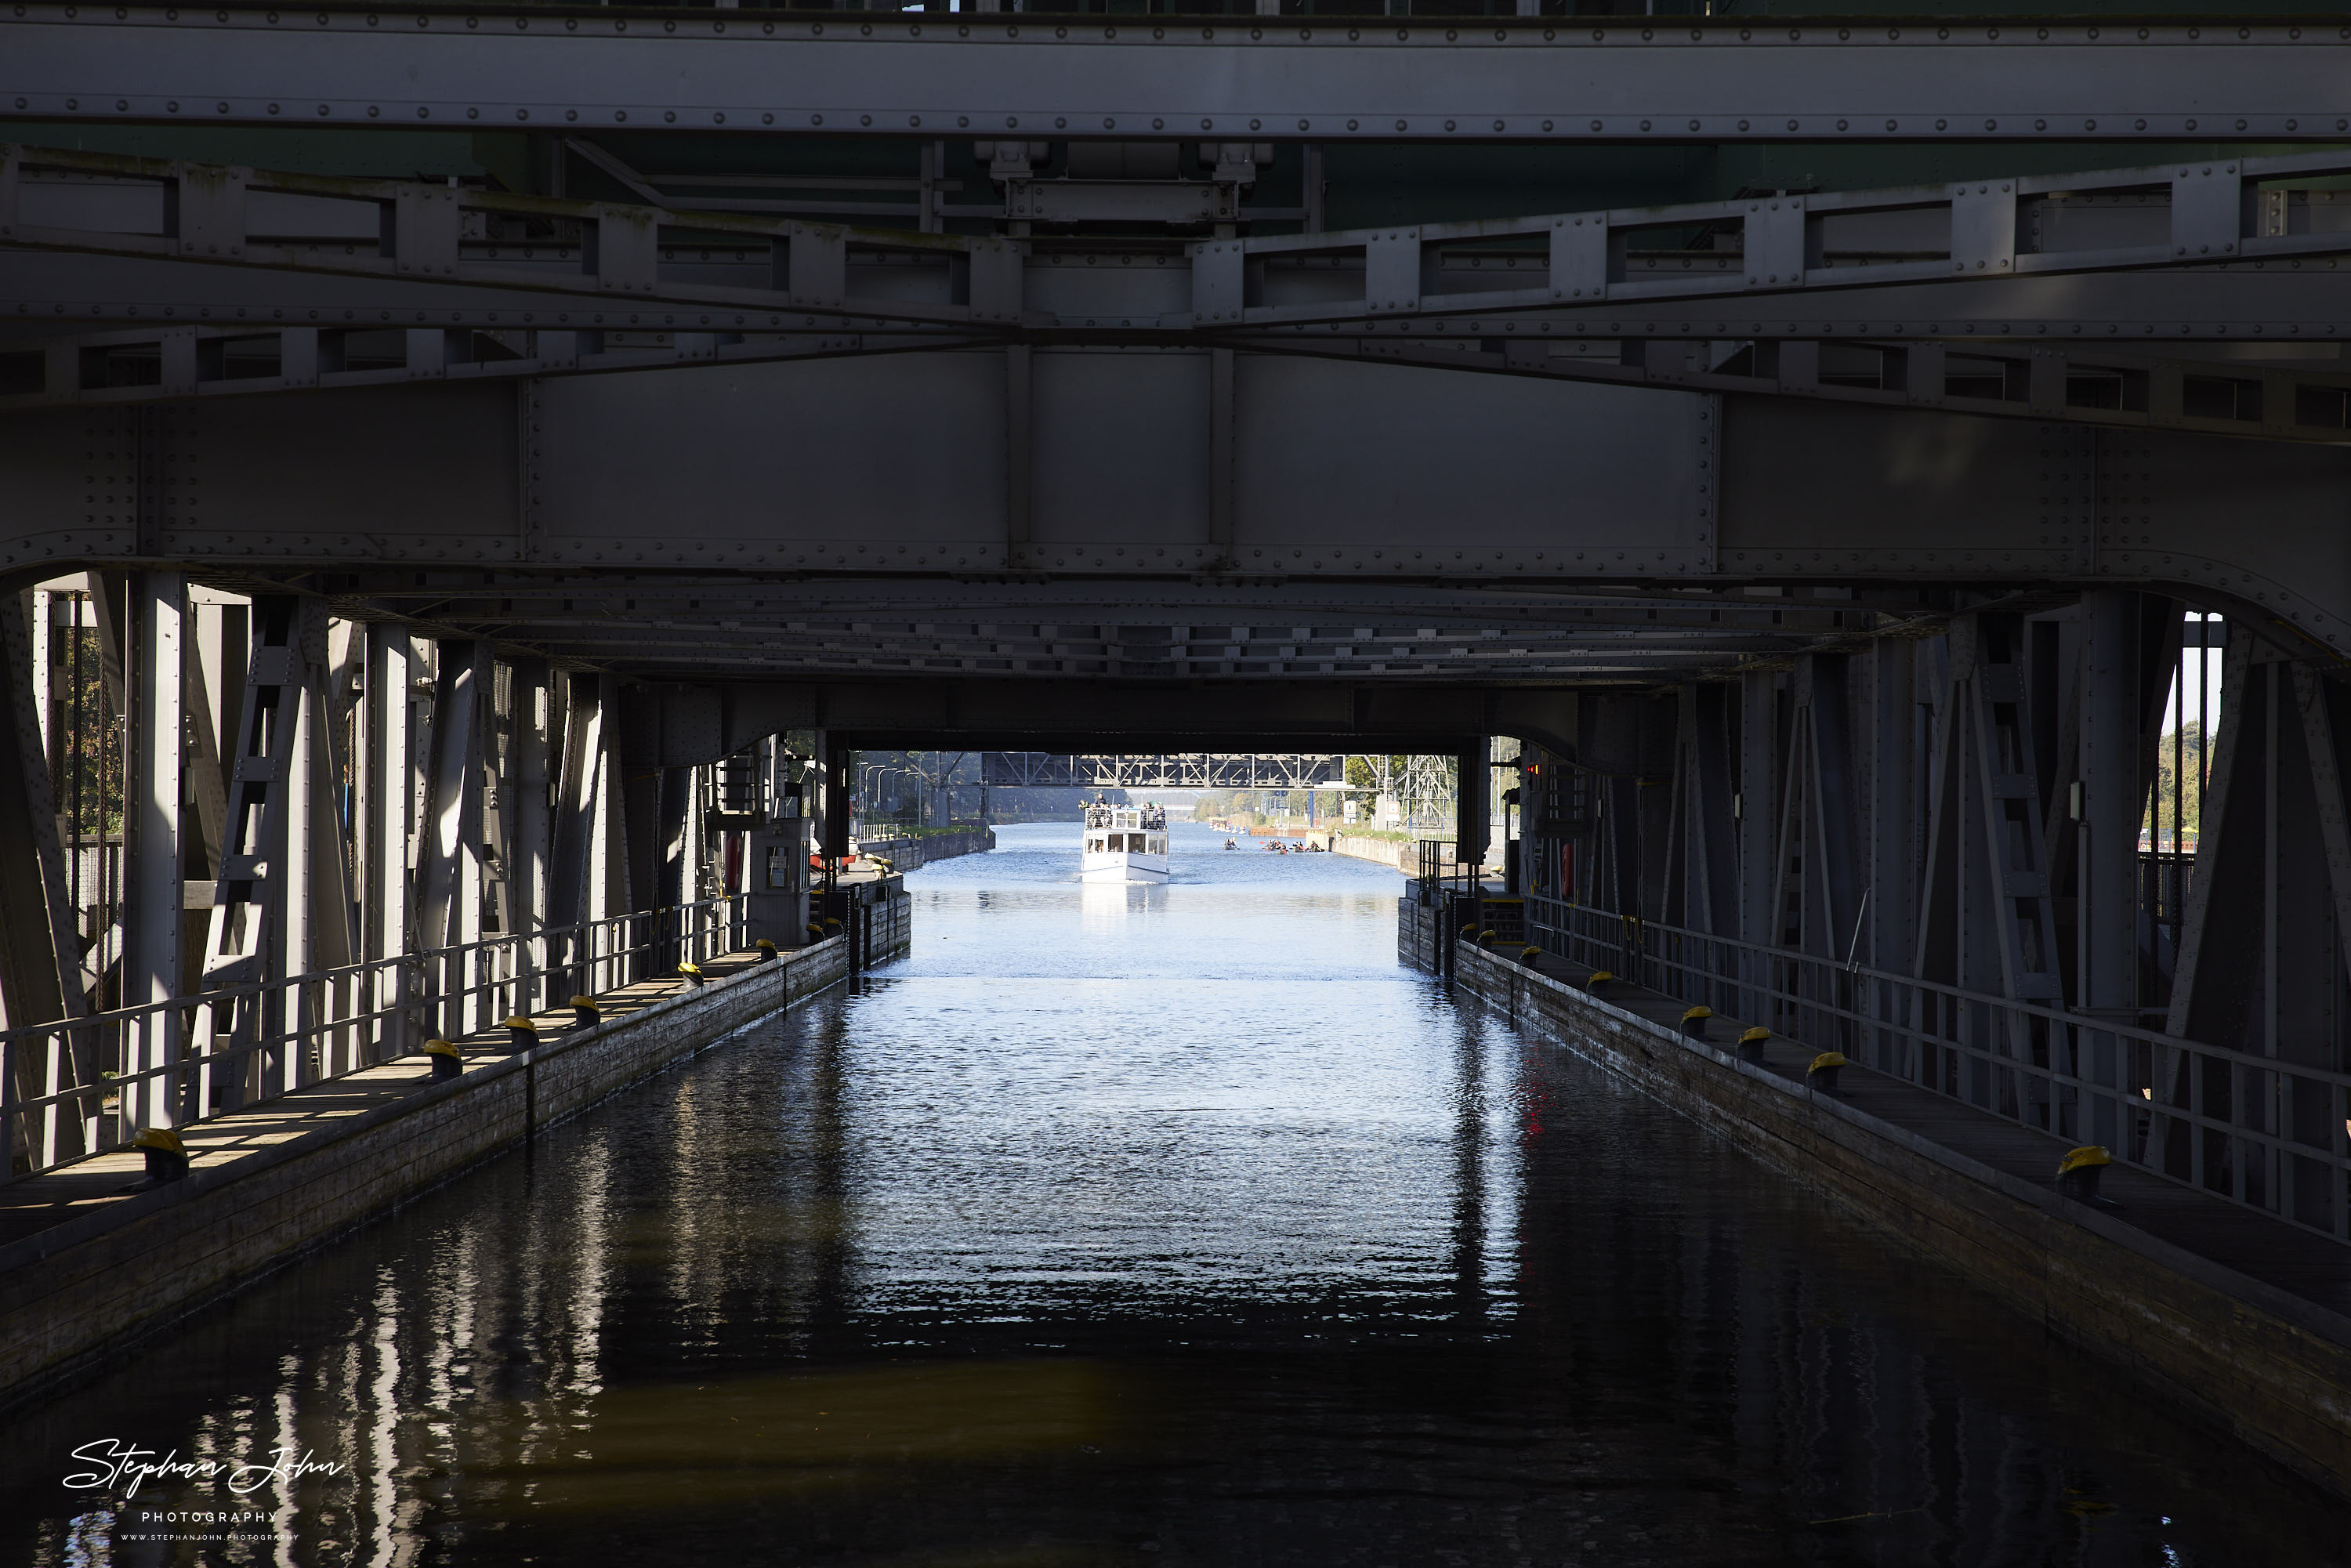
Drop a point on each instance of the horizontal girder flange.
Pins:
(50, 292)
(1334, 79)
(602, 266)
(2275, 388)
(902, 466)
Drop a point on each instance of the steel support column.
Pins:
(528, 794)
(246, 941)
(385, 809)
(448, 865)
(1756, 807)
(1888, 751)
(570, 888)
(40, 968)
(2113, 800)
(155, 873)
(1710, 853)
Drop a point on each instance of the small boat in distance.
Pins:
(1124, 843)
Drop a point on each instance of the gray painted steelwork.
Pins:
(1328, 79)
(1189, 770)
(1336, 472)
(1937, 843)
(1756, 256)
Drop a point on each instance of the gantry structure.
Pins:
(1194, 771)
(470, 470)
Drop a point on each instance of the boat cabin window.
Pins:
(1127, 843)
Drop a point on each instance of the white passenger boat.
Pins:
(1126, 843)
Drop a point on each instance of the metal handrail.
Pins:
(270, 1038)
(2225, 1121)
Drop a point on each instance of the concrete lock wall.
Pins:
(2272, 1368)
(1398, 852)
(906, 854)
(72, 1294)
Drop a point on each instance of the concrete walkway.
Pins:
(2295, 1260)
(85, 1185)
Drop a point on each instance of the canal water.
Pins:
(1134, 1226)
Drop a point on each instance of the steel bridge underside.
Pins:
(1832, 551)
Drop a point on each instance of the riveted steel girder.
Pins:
(619, 266)
(902, 466)
(2072, 278)
(1181, 771)
(1326, 79)
(1028, 628)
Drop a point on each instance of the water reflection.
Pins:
(1149, 1225)
(1108, 906)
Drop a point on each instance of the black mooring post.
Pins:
(1473, 814)
(839, 769)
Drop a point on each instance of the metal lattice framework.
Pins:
(1947, 857)
(1944, 289)
(1194, 771)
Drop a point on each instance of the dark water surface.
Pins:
(1139, 1225)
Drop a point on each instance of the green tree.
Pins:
(85, 742)
(2178, 804)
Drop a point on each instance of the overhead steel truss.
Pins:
(1324, 79)
(609, 261)
(1187, 770)
(1959, 296)
(670, 628)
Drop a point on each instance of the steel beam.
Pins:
(529, 791)
(448, 862)
(2291, 389)
(2112, 801)
(39, 953)
(2277, 377)
(51, 298)
(1188, 771)
(571, 889)
(153, 878)
(248, 939)
(1345, 476)
(386, 807)
(1334, 79)
(1889, 747)
(177, 247)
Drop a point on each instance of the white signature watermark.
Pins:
(115, 1463)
